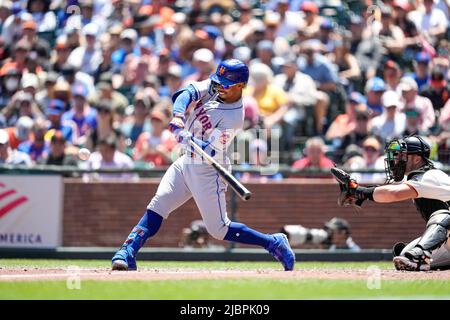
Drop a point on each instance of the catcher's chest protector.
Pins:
(427, 206)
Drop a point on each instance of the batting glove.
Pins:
(176, 124)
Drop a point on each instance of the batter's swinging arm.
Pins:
(240, 190)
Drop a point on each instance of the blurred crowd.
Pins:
(337, 79)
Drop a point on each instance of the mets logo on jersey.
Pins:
(224, 137)
(222, 70)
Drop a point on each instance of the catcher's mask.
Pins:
(397, 151)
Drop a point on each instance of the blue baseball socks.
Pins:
(148, 226)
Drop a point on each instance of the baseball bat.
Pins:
(237, 187)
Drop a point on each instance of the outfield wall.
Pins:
(101, 214)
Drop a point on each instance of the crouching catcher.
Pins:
(428, 187)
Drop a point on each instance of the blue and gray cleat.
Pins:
(282, 251)
(124, 260)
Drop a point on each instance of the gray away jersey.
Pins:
(211, 120)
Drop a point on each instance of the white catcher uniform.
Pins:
(432, 185)
(208, 120)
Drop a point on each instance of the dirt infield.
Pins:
(45, 274)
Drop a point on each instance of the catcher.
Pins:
(429, 188)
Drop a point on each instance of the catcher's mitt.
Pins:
(348, 188)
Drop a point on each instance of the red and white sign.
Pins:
(30, 211)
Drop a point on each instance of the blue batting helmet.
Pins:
(230, 72)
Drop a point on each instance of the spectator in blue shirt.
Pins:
(318, 66)
(55, 111)
(82, 114)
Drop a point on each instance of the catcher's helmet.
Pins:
(397, 152)
(230, 72)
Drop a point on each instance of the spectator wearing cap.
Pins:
(45, 18)
(289, 19)
(35, 145)
(106, 92)
(346, 122)
(18, 58)
(62, 91)
(304, 100)
(413, 120)
(21, 104)
(82, 114)
(311, 19)
(57, 153)
(391, 74)
(365, 46)
(87, 57)
(30, 83)
(280, 44)
(326, 34)
(203, 61)
(10, 156)
(114, 32)
(61, 53)
(355, 137)
(314, 156)
(138, 122)
(108, 156)
(174, 81)
(46, 94)
(54, 112)
(430, 19)
(164, 62)
(39, 45)
(273, 102)
(317, 66)
(374, 89)
(169, 40)
(264, 53)
(128, 39)
(391, 36)
(211, 38)
(12, 27)
(408, 89)
(155, 147)
(322, 71)
(437, 89)
(421, 65)
(391, 123)
(372, 158)
(20, 132)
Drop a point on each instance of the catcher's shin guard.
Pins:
(437, 229)
(419, 257)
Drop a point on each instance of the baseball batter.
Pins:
(210, 113)
(429, 188)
